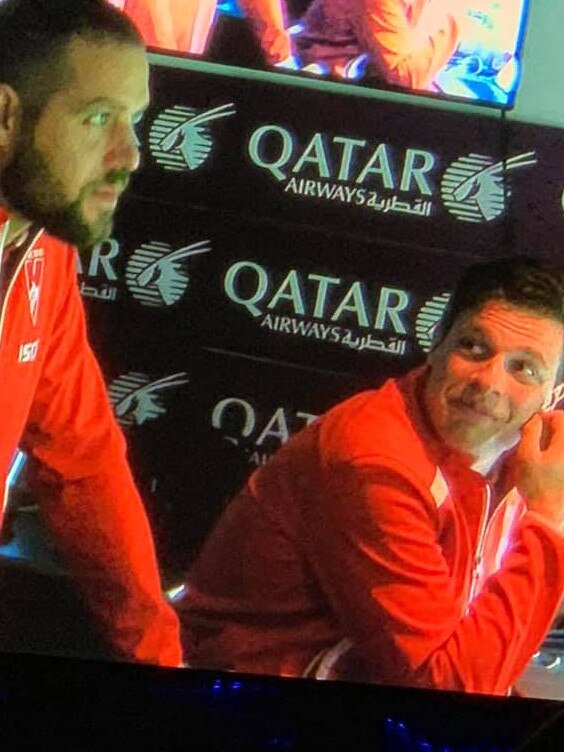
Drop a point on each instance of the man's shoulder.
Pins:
(376, 422)
(59, 259)
(61, 248)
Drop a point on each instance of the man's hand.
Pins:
(539, 465)
(276, 44)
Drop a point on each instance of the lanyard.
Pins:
(3, 237)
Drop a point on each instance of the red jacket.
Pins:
(53, 404)
(360, 552)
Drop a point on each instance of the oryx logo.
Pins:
(33, 266)
(156, 274)
(428, 319)
(472, 187)
(180, 138)
(136, 399)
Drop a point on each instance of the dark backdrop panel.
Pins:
(138, 288)
(409, 173)
(220, 335)
(195, 438)
(536, 219)
(186, 280)
(324, 300)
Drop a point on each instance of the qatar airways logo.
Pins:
(382, 177)
(258, 431)
(475, 188)
(99, 278)
(137, 399)
(346, 170)
(331, 309)
(181, 138)
(156, 273)
(428, 320)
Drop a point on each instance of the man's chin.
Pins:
(80, 234)
(469, 443)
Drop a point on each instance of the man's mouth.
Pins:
(473, 409)
(108, 195)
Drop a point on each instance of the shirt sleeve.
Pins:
(374, 543)
(87, 495)
(408, 45)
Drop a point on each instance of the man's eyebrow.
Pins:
(114, 104)
(471, 328)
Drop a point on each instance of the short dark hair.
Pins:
(34, 36)
(521, 281)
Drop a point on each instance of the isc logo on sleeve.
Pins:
(28, 352)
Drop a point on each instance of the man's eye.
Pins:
(525, 370)
(471, 346)
(99, 119)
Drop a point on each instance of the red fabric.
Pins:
(173, 24)
(177, 25)
(349, 533)
(56, 408)
(408, 41)
(408, 47)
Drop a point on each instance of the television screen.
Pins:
(468, 50)
(277, 247)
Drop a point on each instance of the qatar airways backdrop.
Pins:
(281, 248)
(379, 168)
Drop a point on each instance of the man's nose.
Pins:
(124, 152)
(491, 375)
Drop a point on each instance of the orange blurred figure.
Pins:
(180, 25)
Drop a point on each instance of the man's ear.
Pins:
(9, 115)
(553, 399)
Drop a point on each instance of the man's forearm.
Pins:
(103, 536)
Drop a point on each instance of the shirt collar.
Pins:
(24, 237)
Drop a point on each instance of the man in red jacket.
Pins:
(73, 83)
(412, 535)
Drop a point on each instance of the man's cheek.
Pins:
(461, 370)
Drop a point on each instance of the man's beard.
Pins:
(28, 187)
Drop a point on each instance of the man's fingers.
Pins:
(531, 436)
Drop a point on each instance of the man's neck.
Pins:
(491, 452)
